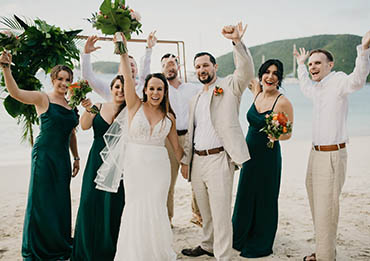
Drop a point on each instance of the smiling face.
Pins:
(319, 66)
(118, 92)
(61, 81)
(169, 68)
(270, 77)
(205, 69)
(155, 91)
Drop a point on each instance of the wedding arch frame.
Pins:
(179, 44)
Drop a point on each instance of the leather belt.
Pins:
(209, 152)
(333, 147)
(181, 132)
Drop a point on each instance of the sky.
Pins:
(199, 22)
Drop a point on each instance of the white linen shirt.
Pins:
(205, 136)
(180, 98)
(330, 101)
(103, 88)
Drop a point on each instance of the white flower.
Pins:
(276, 123)
(135, 15)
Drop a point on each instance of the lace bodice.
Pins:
(140, 130)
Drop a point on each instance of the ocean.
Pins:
(13, 151)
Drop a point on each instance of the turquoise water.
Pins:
(13, 151)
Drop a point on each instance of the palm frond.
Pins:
(10, 23)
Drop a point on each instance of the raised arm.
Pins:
(36, 98)
(304, 80)
(133, 101)
(146, 59)
(244, 68)
(357, 79)
(99, 86)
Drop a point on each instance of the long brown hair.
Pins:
(122, 80)
(165, 104)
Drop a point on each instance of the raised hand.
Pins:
(90, 44)
(301, 56)
(234, 33)
(366, 41)
(151, 40)
(5, 59)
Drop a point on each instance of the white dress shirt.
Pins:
(103, 88)
(205, 136)
(180, 98)
(330, 102)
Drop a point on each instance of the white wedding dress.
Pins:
(145, 232)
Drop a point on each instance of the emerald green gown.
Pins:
(255, 217)
(47, 223)
(99, 213)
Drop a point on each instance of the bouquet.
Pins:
(276, 125)
(114, 18)
(78, 91)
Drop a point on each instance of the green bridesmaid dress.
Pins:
(99, 213)
(47, 224)
(255, 217)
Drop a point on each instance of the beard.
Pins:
(172, 77)
(208, 79)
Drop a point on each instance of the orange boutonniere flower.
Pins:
(218, 90)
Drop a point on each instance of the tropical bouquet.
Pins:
(114, 18)
(277, 124)
(77, 93)
(34, 45)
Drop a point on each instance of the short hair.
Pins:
(168, 55)
(267, 64)
(328, 54)
(211, 57)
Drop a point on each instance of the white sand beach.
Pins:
(294, 238)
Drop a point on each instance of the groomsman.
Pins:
(215, 144)
(327, 164)
(101, 87)
(180, 94)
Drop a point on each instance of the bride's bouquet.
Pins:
(277, 124)
(114, 18)
(77, 93)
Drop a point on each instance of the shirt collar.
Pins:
(326, 78)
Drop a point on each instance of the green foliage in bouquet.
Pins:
(77, 92)
(116, 17)
(33, 46)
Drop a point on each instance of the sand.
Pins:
(294, 237)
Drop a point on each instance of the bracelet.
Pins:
(76, 158)
(4, 65)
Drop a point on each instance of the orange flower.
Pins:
(275, 117)
(285, 129)
(282, 119)
(74, 85)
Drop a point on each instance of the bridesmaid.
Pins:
(255, 216)
(99, 213)
(47, 224)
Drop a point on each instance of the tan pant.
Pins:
(174, 173)
(325, 178)
(212, 181)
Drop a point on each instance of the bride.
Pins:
(135, 144)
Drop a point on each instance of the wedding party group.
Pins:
(153, 126)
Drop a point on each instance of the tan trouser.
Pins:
(212, 181)
(325, 178)
(174, 173)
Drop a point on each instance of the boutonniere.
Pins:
(218, 90)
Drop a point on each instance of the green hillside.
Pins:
(343, 48)
(105, 67)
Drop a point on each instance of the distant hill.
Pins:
(105, 67)
(342, 46)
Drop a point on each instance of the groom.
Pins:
(215, 143)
